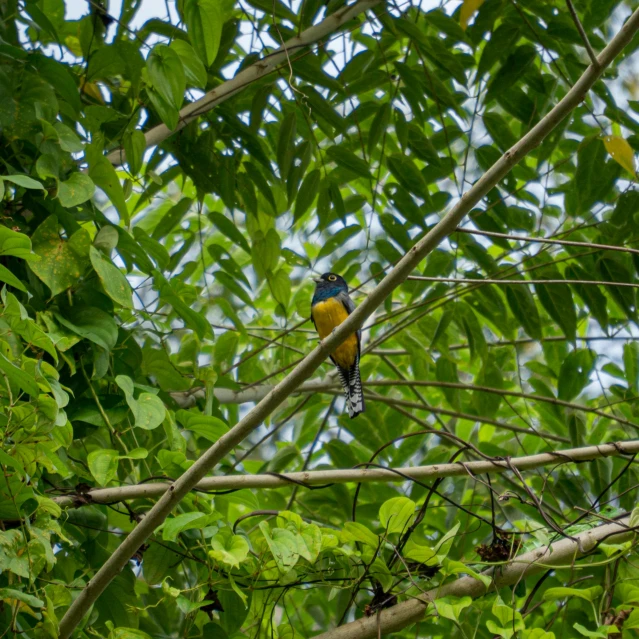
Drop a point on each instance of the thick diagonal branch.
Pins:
(312, 361)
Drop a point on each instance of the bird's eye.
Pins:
(331, 278)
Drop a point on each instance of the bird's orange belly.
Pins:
(327, 316)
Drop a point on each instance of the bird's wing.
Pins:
(349, 305)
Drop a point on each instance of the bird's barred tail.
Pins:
(352, 383)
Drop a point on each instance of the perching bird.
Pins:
(330, 306)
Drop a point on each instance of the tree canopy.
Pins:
(176, 459)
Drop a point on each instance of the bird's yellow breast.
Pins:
(327, 316)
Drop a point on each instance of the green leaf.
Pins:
(128, 633)
(16, 316)
(62, 262)
(230, 550)
(136, 453)
(172, 218)
(407, 174)
(12, 462)
(158, 560)
(106, 238)
(591, 634)
(589, 594)
(93, 324)
(134, 147)
(76, 190)
(307, 193)
(266, 252)
(523, 307)
(286, 144)
(24, 181)
(348, 160)
(211, 428)
(592, 297)
(168, 113)
(421, 146)
(204, 20)
(631, 364)
(115, 284)
(594, 177)
(614, 270)
(310, 544)
(167, 74)
(68, 139)
(148, 410)
(228, 229)
(103, 174)
(396, 514)
(186, 521)
(490, 376)
(191, 318)
(283, 545)
(467, 321)
(9, 594)
(280, 285)
(233, 286)
(380, 572)
(339, 239)
(14, 243)
(379, 126)
(451, 607)
(19, 377)
(354, 531)
(193, 67)
(103, 464)
(574, 374)
(445, 543)
(48, 166)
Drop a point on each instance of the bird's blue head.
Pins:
(329, 285)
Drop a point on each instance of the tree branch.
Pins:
(249, 75)
(256, 393)
(531, 563)
(356, 475)
(544, 240)
(462, 280)
(582, 33)
(184, 484)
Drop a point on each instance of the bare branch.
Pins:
(184, 484)
(256, 393)
(356, 475)
(461, 280)
(544, 240)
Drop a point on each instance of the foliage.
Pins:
(189, 267)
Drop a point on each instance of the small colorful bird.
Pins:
(330, 306)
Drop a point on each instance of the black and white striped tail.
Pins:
(352, 383)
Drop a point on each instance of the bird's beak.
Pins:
(317, 281)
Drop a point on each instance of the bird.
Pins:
(330, 306)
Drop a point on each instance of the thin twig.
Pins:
(575, 18)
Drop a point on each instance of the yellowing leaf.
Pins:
(468, 9)
(93, 91)
(620, 151)
(73, 44)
